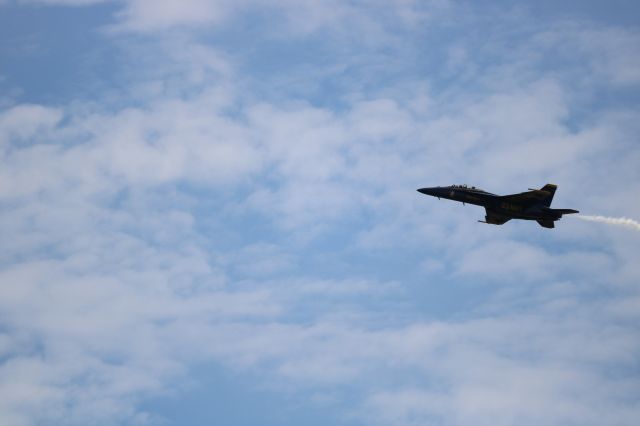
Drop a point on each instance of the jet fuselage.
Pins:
(532, 205)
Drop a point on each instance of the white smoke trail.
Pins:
(623, 221)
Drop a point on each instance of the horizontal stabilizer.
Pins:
(545, 223)
(565, 211)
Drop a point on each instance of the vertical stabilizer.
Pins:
(551, 189)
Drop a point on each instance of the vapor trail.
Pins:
(623, 221)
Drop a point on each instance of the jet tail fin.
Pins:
(551, 189)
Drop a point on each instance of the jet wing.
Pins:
(495, 218)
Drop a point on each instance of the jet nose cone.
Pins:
(428, 191)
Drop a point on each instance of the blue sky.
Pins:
(209, 214)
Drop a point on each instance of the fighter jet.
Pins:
(531, 205)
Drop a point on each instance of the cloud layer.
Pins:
(202, 217)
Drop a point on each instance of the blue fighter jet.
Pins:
(531, 205)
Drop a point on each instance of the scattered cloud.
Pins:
(189, 219)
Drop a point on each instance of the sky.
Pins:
(209, 214)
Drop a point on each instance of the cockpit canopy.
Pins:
(463, 186)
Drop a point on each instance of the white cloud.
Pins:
(612, 53)
(298, 17)
(25, 121)
(128, 294)
(145, 15)
(66, 2)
